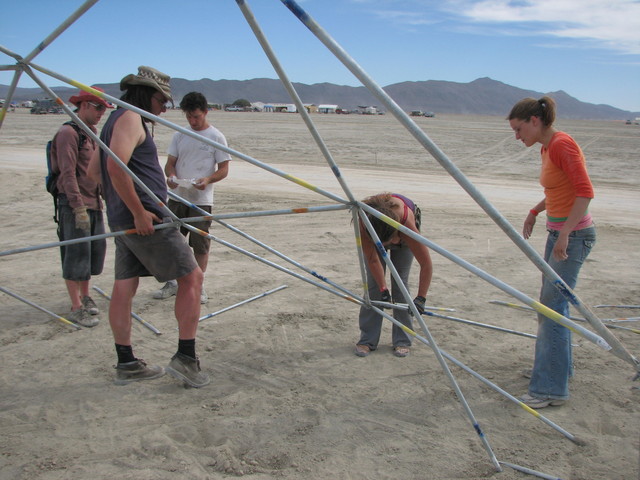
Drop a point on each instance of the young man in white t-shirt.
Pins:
(192, 168)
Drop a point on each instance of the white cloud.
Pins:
(614, 24)
(403, 17)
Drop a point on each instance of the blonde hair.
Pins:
(384, 204)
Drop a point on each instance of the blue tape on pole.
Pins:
(478, 429)
(566, 292)
(297, 11)
(381, 249)
(317, 275)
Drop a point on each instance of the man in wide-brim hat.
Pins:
(162, 253)
(148, 77)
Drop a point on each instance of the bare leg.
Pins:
(187, 308)
(203, 260)
(120, 309)
(75, 294)
(84, 288)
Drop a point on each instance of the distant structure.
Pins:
(368, 110)
(327, 108)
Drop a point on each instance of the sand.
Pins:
(288, 399)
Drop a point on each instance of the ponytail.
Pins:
(544, 109)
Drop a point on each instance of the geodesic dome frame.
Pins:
(346, 201)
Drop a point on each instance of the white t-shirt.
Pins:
(196, 160)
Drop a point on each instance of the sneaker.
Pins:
(401, 351)
(169, 290)
(204, 298)
(536, 403)
(136, 371)
(362, 350)
(83, 317)
(187, 369)
(90, 305)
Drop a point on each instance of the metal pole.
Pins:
(264, 245)
(462, 180)
(63, 26)
(264, 294)
(57, 317)
(191, 133)
(478, 324)
(589, 335)
(431, 341)
(578, 319)
(133, 315)
(83, 239)
(487, 382)
(262, 39)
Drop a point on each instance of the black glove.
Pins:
(419, 302)
(385, 296)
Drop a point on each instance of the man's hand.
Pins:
(201, 183)
(171, 182)
(82, 219)
(144, 223)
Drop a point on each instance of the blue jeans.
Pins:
(552, 365)
(371, 322)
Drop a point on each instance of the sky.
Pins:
(588, 48)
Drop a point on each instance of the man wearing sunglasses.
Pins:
(79, 206)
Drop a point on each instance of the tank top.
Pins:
(408, 204)
(145, 165)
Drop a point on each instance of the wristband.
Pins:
(533, 212)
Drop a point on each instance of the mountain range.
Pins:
(483, 96)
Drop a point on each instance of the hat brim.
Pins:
(132, 79)
(77, 99)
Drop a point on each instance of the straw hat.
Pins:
(149, 77)
(83, 96)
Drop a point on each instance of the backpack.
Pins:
(51, 180)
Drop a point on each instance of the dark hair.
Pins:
(139, 96)
(383, 203)
(194, 101)
(544, 109)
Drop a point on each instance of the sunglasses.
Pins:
(98, 106)
(161, 99)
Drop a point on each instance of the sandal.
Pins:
(401, 351)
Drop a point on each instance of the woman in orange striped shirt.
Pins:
(567, 194)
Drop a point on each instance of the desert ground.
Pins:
(288, 398)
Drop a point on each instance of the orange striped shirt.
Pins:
(564, 176)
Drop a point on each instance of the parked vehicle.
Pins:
(429, 114)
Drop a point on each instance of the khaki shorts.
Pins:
(164, 255)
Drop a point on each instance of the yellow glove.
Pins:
(82, 218)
